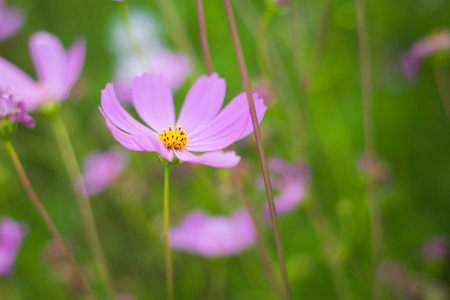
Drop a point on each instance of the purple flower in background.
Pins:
(11, 21)
(11, 236)
(101, 169)
(13, 110)
(423, 48)
(213, 236)
(175, 68)
(124, 296)
(201, 125)
(436, 249)
(292, 182)
(57, 71)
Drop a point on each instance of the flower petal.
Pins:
(216, 159)
(202, 103)
(75, 63)
(151, 143)
(11, 22)
(50, 61)
(118, 115)
(20, 84)
(125, 139)
(153, 101)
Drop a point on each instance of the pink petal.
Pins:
(202, 103)
(289, 198)
(214, 236)
(125, 139)
(229, 119)
(75, 63)
(50, 61)
(151, 143)
(217, 143)
(118, 115)
(11, 236)
(20, 84)
(153, 101)
(216, 159)
(11, 20)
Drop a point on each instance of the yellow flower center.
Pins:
(173, 139)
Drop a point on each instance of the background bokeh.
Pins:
(322, 126)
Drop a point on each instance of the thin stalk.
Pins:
(169, 268)
(442, 83)
(257, 133)
(262, 247)
(134, 43)
(369, 141)
(87, 217)
(46, 217)
(203, 37)
(176, 29)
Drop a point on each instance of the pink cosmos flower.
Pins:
(423, 48)
(292, 182)
(175, 68)
(124, 296)
(11, 236)
(101, 169)
(201, 126)
(13, 110)
(57, 71)
(213, 236)
(436, 249)
(11, 20)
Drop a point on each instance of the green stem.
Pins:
(442, 83)
(134, 43)
(262, 156)
(169, 268)
(369, 141)
(87, 217)
(46, 217)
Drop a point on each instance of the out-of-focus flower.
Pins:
(57, 71)
(12, 111)
(213, 236)
(11, 21)
(264, 91)
(101, 169)
(423, 48)
(11, 236)
(175, 68)
(282, 2)
(436, 249)
(292, 182)
(201, 126)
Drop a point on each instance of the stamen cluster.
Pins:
(174, 139)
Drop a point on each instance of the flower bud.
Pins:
(12, 111)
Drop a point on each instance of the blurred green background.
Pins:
(322, 126)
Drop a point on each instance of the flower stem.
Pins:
(262, 247)
(46, 217)
(369, 141)
(70, 161)
(169, 269)
(262, 156)
(134, 43)
(442, 83)
(203, 37)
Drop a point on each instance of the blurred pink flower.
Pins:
(213, 236)
(292, 182)
(423, 48)
(175, 68)
(101, 169)
(13, 110)
(200, 126)
(11, 21)
(11, 236)
(436, 249)
(57, 71)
